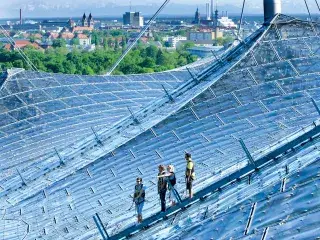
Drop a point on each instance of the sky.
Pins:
(9, 8)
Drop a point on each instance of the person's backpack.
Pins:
(162, 184)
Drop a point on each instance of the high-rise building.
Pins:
(208, 11)
(128, 18)
(133, 19)
(212, 12)
(137, 20)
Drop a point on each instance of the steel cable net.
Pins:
(260, 93)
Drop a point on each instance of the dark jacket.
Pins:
(162, 183)
(139, 194)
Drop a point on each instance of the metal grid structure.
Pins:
(259, 90)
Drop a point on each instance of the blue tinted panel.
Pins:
(5, 119)
(70, 112)
(60, 92)
(25, 112)
(105, 97)
(44, 82)
(11, 102)
(20, 85)
(78, 101)
(43, 119)
(34, 97)
(52, 106)
(85, 89)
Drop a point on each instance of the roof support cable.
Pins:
(137, 38)
(23, 55)
(317, 5)
(241, 20)
(310, 18)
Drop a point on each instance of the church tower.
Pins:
(197, 17)
(84, 20)
(90, 21)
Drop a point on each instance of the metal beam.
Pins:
(60, 157)
(100, 227)
(310, 17)
(133, 116)
(96, 136)
(249, 156)
(167, 93)
(22, 178)
(192, 75)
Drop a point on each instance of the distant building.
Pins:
(67, 36)
(203, 37)
(208, 11)
(202, 51)
(173, 41)
(197, 17)
(81, 29)
(21, 44)
(128, 18)
(87, 22)
(71, 23)
(84, 21)
(225, 22)
(26, 27)
(84, 40)
(137, 20)
(134, 19)
(52, 35)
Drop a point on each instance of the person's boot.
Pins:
(140, 218)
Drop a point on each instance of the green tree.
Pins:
(110, 42)
(123, 43)
(151, 51)
(105, 43)
(148, 62)
(18, 63)
(160, 60)
(75, 41)
(116, 44)
(87, 71)
(32, 39)
(59, 42)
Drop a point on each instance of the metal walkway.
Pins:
(268, 156)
